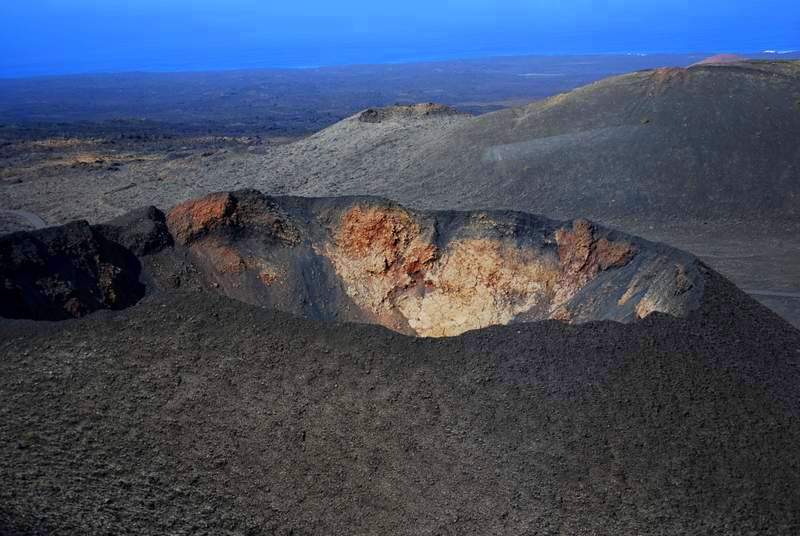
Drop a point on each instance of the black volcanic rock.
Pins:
(142, 231)
(64, 272)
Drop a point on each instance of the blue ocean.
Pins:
(51, 37)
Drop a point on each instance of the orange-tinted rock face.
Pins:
(380, 252)
(479, 283)
(392, 268)
(382, 238)
(421, 274)
(197, 217)
(666, 77)
(212, 227)
(582, 257)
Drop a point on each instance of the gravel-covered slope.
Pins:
(194, 414)
(709, 141)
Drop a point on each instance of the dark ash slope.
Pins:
(191, 413)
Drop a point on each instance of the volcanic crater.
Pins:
(355, 259)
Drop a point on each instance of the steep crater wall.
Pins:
(357, 259)
(428, 274)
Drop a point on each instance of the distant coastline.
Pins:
(295, 58)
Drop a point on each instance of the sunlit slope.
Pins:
(711, 140)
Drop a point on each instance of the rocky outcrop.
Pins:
(192, 219)
(65, 272)
(244, 213)
(142, 231)
(378, 115)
